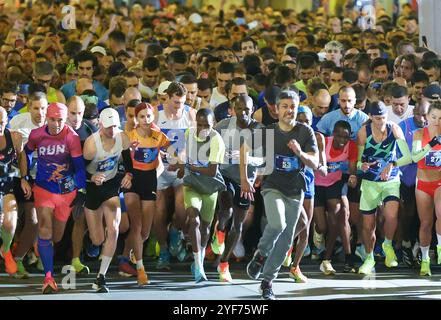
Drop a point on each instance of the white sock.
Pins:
(105, 263)
(197, 260)
(202, 255)
(425, 252)
(139, 264)
(406, 244)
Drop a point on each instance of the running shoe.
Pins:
(49, 285)
(318, 240)
(407, 257)
(391, 259)
(183, 254)
(100, 285)
(21, 271)
(297, 275)
(425, 268)
(349, 266)
(31, 258)
(360, 252)
(239, 249)
(198, 273)
(326, 268)
(164, 260)
(218, 241)
(175, 242)
(317, 253)
(367, 266)
(79, 267)
(255, 266)
(267, 291)
(224, 272)
(10, 264)
(307, 251)
(142, 277)
(92, 250)
(288, 259)
(125, 269)
(378, 251)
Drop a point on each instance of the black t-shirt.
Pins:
(288, 174)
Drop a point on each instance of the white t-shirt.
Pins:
(146, 92)
(397, 119)
(217, 98)
(23, 123)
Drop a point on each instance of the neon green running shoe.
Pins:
(391, 260)
(79, 267)
(425, 268)
(21, 271)
(218, 241)
(367, 266)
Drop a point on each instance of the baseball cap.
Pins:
(99, 49)
(163, 86)
(195, 18)
(433, 92)
(378, 109)
(109, 117)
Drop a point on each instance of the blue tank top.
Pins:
(382, 153)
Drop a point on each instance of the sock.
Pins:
(122, 259)
(46, 250)
(425, 252)
(139, 265)
(197, 260)
(387, 242)
(406, 244)
(370, 255)
(202, 255)
(105, 263)
(76, 261)
(7, 239)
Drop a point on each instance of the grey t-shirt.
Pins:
(234, 137)
(288, 174)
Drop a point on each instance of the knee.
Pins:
(97, 240)
(195, 222)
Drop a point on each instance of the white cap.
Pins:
(109, 117)
(163, 87)
(195, 18)
(99, 49)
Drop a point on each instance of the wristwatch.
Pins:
(27, 177)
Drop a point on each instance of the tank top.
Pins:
(432, 160)
(266, 117)
(336, 165)
(105, 161)
(7, 155)
(383, 153)
(174, 129)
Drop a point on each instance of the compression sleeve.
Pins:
(418, 152)
(80, 171)
(406, 157)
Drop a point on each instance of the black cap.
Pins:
(432, 92)
(378, 109)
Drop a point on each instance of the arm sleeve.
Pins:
(80, 171)
(406, 157)
(360, 155)
(418, 152)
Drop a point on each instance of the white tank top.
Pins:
(104, 161)
(175, 129)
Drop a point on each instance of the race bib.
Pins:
(287, 164)
(146, 155)
(433, 159)
(337, 166)
(66, 184)
(107, 164)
